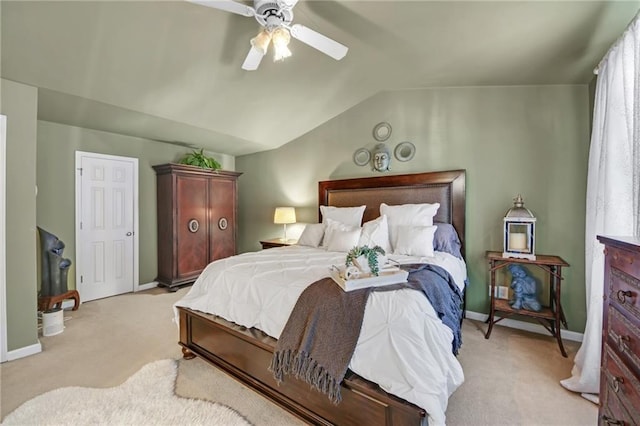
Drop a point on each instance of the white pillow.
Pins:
(330, 225)
(407, 214)
(343, 240)
(351, 216)
(415, 240)
(376, 233)
(312, 235)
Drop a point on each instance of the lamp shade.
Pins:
(284, 215)
(281, 38)
(261, 41)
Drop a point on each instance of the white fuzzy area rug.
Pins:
(146, 398)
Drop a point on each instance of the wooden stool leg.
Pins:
(45, 303)
(76, 299)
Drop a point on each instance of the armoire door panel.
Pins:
(222, 208)
(192, 226)
(166, 236)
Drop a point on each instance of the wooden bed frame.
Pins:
(245, 353)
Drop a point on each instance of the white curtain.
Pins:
(613, 188)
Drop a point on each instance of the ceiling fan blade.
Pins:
(287, 3)
(252, 61)
(318, 41)
(227, 5)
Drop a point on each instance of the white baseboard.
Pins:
(526, 326)
(147, 286)
(23, 352)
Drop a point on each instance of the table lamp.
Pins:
(283, 216)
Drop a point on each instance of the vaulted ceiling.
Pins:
(171, 70)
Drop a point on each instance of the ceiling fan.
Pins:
(275, 17)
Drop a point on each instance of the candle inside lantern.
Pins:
(517, 241)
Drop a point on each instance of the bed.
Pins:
(246, 352)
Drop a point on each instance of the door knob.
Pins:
(129, 234)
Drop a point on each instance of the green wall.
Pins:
(532, 140)
(19, 103)
(57, 145)
(529, 140)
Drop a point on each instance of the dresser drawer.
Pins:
(624, 337)
(624, 293)
(624, 260)
(621, 384)
(614, 414)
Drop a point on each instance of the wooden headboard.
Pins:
(446, 188)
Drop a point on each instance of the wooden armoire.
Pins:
(197, 215)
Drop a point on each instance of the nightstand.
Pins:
(276, 242)
(550, 317)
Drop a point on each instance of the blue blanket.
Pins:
(443, 293)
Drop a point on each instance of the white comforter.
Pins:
(403, 345)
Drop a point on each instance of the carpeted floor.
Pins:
(146, 398)
(511, 379)
(198, 379)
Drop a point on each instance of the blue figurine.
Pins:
(525, 289)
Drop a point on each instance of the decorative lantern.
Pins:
(519, 231)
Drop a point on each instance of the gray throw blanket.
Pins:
(320, 336)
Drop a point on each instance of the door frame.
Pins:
(3, 239)
(136, 243)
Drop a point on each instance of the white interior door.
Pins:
(106, 252)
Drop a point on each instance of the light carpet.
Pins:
(146, 398)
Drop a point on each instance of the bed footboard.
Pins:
(245, 354)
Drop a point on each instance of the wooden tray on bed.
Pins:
(385, 278)
(246, 353)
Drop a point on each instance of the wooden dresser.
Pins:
(197, 211)
(620, 368)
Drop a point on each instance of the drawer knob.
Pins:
(622, 343)
(622, 295)
(611, 421)
(616, 382)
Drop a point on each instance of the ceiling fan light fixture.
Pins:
(261, 41)
(276, 19)
(281, 39)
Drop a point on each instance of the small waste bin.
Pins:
(52, 322)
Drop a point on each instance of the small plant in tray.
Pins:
(365, 258)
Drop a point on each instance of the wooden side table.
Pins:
(552, 316)
(276, 242)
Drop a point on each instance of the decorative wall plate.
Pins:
(404, 151)
(382, 131)
(361, 157)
